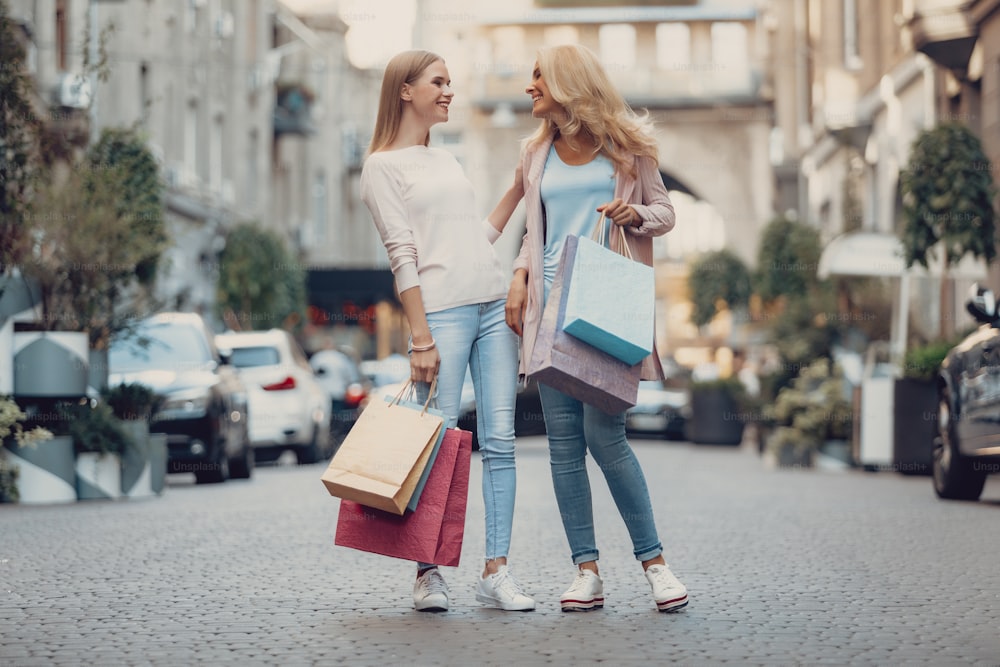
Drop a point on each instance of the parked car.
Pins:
(339, 374)
(203, 408)
(967, 448)
(289, 409)
(659, 410)
(392, 369)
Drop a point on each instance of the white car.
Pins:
(287, 406)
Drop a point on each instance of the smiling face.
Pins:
(542, 104)
(430, 94)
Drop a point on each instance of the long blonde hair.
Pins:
(405, 67)
(577, 81)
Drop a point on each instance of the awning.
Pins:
(877, 254)
(331, 288)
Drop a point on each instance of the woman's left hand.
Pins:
(620, 213)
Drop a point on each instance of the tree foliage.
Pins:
(18, 144)
(86, 251)
(261, 284)
(948, 197)
(787, 260)
(715, 276)
(141, 205)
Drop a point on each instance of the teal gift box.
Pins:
(611, 302)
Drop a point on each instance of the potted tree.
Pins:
(98, 234)
(717, 412)
(811, 413)
(144, 459)
(100, 441)
(19, 169)
(717, 280)
(915, 408)
(35, 466)
(948, 205)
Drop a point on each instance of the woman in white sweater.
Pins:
(453, 290)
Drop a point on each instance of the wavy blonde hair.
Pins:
(405, 67)
(577, 81)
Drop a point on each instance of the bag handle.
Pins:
(409, 385)
(601, 232)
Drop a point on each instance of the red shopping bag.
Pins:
(433, 532)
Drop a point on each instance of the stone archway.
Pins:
(720, 156)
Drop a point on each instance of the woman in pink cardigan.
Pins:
(591, 154)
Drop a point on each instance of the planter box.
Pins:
(915, 406)
(18, 297)
(47, 470)
(158, 462)
(51, 364)
(794, 457)
(715, 418)
(98, 476)
(137, 476)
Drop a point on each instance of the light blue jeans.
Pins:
(574, 427)
(476, 337)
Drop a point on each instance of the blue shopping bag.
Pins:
(611, 301)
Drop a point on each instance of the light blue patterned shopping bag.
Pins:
(611, 300)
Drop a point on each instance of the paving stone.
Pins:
(783, 568)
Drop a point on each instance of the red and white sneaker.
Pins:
(669, 593)
(586, 593)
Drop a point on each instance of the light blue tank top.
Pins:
(570, 197)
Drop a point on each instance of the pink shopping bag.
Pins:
(433, 532)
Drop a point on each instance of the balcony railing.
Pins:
(687, 85)
(944, 31)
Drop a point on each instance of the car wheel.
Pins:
(954, 476)
(242, 467)
(218, 470)
(310, 453)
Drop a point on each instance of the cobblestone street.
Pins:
(783, 567)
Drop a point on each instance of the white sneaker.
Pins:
(430, 592)
(503, 591)
(586, 593)
(669, 593)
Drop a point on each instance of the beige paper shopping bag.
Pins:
(382, 458)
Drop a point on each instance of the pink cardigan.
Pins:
(645, 193)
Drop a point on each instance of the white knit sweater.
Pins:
(424, 208)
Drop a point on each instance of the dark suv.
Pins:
(203, 407)
(967, 448)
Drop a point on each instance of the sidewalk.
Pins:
(783, 567)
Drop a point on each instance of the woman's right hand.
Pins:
(517, 299)
(424, 365)
(518, 185)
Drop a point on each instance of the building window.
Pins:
(62, 35)
(143, 93)
(319, 208)
(251, 43)
(215, 155)
(251, 193)
(729, 45)
(561, 34)
(852, 51)
(617, 44)
(673, 46)
(191, 15)
(191, 138)
(508, 50)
